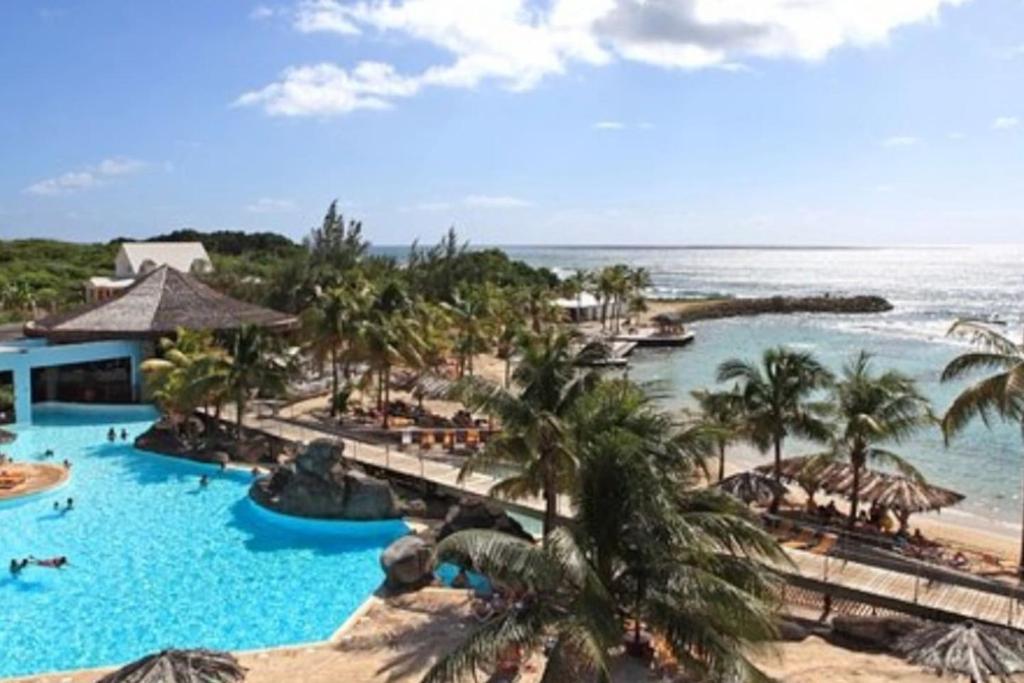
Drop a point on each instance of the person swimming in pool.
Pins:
(71, 504)
(48, 453)
(111, 435)
(51, 562)
(16, 567)
(204, 481)
(124, 434)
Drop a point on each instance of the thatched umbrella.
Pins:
(977, 651)
(180, 666)
(908, 495)
(752, 487)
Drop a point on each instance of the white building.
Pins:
(580, 309)
(135, 259)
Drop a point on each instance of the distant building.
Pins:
(135, 259)
(578, 309)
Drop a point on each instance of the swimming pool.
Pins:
(158, 561)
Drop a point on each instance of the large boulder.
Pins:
(478, 513)
(320, 484)
(408, 563)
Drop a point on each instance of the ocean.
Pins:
(930, 287)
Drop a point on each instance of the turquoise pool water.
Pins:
(157, 561)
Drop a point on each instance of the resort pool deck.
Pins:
(157, 561)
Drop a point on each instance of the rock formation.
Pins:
(730, 308)
(477, 513)
(408, 563)
(320, 484)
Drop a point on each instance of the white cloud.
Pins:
(85, 178)
(955, 135)
(473, 201)
(270, 205)
(483, 201)
(261, 12)
(1005, 122)
(324, 15)
(608, 125)
(1015, 52)
(900, 141)
(515, 44)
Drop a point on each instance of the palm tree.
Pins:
(644, 549)
(472, 315)
(565, 600)
(190, 372)
(331, 326)
(255, 367)
(533, 440)
(721, 414)
(1000, 394)
(871, 411)
(777, 399)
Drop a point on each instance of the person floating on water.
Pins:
(71, 504)
(52, 562)
(111, 435)
(48, 453)
(124, 434)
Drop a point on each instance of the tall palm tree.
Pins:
(533, 440)
(331, 327)
(688, 565)
(871, 411)
(1000, 393)
(777, 401)
(472, 315)
(721, 414)
(255, 367)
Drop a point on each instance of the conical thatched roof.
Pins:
(155, 306)
(977, 651)
(908, 494)
(752, 487)
(180, 666)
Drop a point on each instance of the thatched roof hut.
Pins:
(976, 651)
(907, 494)
(156, 306)
(180, 666)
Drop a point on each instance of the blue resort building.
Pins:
(92, 354)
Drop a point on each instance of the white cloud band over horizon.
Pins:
(515, 44)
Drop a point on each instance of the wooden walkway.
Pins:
(884, 588)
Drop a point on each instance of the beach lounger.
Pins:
(472, 438)
(803, 540)
(825, 545)
(426, 440)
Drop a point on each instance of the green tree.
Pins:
(256, 366)
(721, 414)
(533, 440)
(472, 317)
(643, 547)
(873, 410)
(777, 401)
(190, 372)
(331, 326)
(999, 394)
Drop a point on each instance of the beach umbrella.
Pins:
(752, 487)
(977, 651)
(180, 666)
(907, 494)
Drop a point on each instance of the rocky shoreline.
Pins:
(775, 305)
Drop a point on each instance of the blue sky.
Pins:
(519, 122)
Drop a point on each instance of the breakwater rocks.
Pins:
(731, 308)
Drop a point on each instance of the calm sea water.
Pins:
(929, 287)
